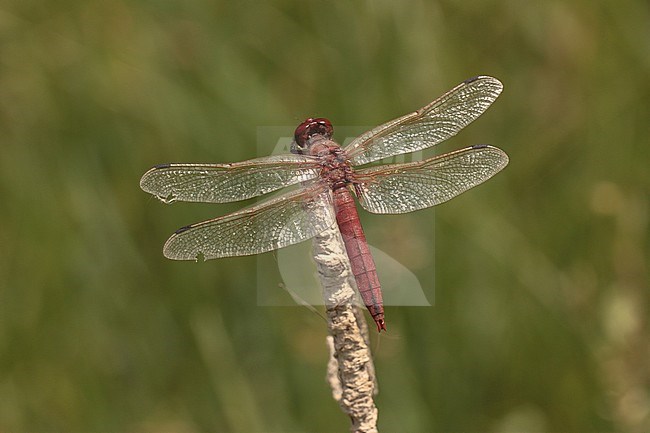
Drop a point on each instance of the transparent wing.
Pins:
(275, 223)
(221, 183)
(401, 188)
(428, 126)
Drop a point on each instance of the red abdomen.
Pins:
(363, 265)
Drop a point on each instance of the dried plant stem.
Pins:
(350, 370)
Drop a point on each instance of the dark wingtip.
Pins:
(484, 77)
(480, 146)
(470, 80)
(166, 165)
(182, 229)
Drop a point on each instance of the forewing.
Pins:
(401, 188)
(428, 126)
(222, 183)
(275, 223)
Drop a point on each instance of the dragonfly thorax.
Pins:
(336, 168)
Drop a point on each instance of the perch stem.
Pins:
(351, 369)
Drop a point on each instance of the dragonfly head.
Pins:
(307, 129)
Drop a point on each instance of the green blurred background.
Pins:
(540, 275)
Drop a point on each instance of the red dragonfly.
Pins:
(328, 180)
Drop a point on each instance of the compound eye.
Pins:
(323, 127)
(309, 128)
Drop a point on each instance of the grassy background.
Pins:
(541, 275)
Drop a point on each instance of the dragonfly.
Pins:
(327, 180)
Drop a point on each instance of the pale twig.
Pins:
(350, 370)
